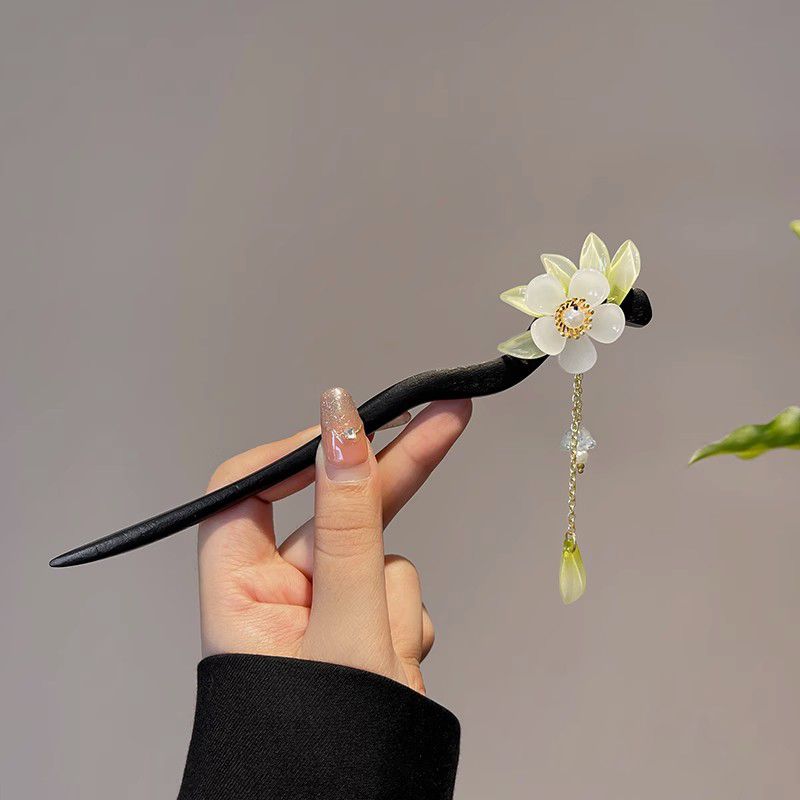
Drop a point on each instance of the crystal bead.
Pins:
(572, 575)
(586, 441)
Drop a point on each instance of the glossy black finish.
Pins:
(476, 380)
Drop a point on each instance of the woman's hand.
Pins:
(327, 593)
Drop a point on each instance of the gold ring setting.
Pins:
(573, 318)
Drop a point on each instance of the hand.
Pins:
(365, 609)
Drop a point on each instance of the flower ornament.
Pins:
(574, 306)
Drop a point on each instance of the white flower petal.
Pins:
(608, 323)
(521, 346)
(624, 271)
(516, 299)
(559, 267)
(546, 336)
(579, 355)
(544, 295)
(594, 253)
(589, 285)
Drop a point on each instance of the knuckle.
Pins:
(354, 518)
(339, 536)
(354, 495)
(353, 514)
(344, 544)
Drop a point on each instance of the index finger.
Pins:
(240, 466)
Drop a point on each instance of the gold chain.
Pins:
(574, 467)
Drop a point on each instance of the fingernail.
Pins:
(397, 422)
(344, 442)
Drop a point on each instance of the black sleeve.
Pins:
(274, 728)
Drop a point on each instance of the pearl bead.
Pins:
(574, 317)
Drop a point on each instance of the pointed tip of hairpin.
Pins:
(80, 555)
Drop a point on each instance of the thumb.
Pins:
(349, 618)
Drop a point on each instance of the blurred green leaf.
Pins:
(795, 226)
(750, 441)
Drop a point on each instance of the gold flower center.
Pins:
(573, 318)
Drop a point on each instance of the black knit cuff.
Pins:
(278, 728)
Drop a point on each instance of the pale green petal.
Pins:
(516, 299)
(572, 575)
(521, 346)
(624, 271)
(594, 253)
(795, 226)
(559, 267)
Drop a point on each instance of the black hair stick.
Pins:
(476, 380)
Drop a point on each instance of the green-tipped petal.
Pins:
(560, 267)
(750, 441)
(795, 226)
(594, 254)
(521, 346)
(516, 299)
(572, 575)
(623, 272)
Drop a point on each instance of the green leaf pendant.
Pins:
(572, 575)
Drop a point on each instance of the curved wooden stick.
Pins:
(476, 380)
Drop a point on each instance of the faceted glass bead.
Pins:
(572, 575)
(585, 440)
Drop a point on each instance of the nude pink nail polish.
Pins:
(344, 442)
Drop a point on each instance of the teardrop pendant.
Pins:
(572, 575)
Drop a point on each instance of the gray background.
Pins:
(209, 212)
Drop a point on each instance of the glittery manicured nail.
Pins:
(344, 442)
